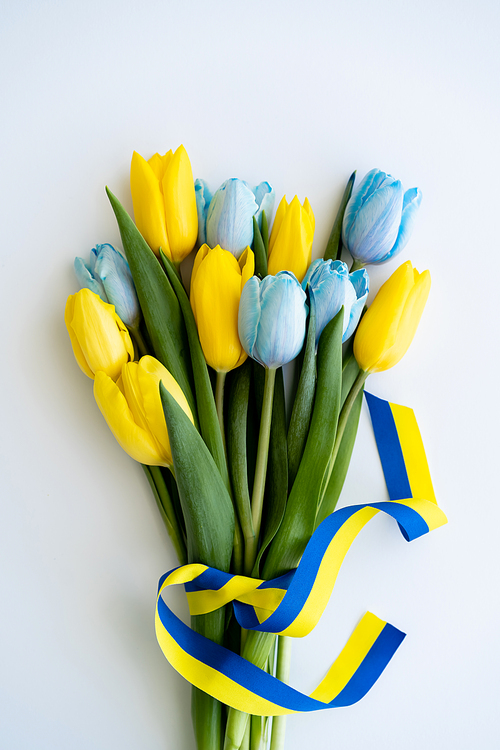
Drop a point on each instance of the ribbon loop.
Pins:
(293, 604)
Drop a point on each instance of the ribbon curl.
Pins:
(293, 604)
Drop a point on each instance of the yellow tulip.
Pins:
(99, 338)
(216, 285)
(390, 323)
(133, 410)
(290, 244)
(164, 202)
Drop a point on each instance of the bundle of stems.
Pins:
(248, 485)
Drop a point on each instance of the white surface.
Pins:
(300, 96)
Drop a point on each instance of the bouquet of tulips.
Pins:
(189, 378)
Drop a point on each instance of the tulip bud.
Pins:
(108, 275)
(216, 285)
(290, 244)
(332, 287)
(390, 323)
(164, 202)
(133, 410)
(226, 219)
(99, 338)
(272, 319)
(379, 218)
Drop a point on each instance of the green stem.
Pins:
(240, 739)
(283, 674)
(177, 265)
(356, 265)
(139, 342)
(219, 404)
(245, 745)
(257, 732)
(167, 512)
(343, 417)
(257, 648)
(238, 536)
(238, 547)
(260, 469)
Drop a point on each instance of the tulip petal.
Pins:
(378, 329)
(308, 209)
(199, 257)
(230, 217)
(411, 202)
(158, 164)
(216, 290)
(282, 320)
(75, 344)
(264, 195)
(93, 258)
(376, 227)
(278, 219)
(99, 338)
(370, 182)
(85, 276)
(249, 315)
(247, 265)
(149, 208)
(180, 205)
(331, 289)
(149, 374)
(409, 321)
(114, 273)
(203, 197)
(361, 284)
(135, 440)
(292, 246)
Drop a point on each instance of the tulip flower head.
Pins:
(332, 287)
(99, 338)
(272, 319)
(164, 202)
(226, 219)
(108, 275)
(133, 410)
(379, 218)
(216, 285)
(290, 244)
(390, 323)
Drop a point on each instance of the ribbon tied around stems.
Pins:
(293, 603)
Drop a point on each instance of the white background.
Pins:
(300, 96)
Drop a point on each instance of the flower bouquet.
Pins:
(245, 472)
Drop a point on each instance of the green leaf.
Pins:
(276, 493)
(209, 517)
(304, 398)
(265, 232)
(206, 505)
(350, 371)
(165, 506)
(259, 250)
(334, 246)
(207, 413)
(341, 465)
(237, 422)
(300, 516)
(159, 305)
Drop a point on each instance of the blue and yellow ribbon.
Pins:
(293, 604)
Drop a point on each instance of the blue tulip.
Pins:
(331, 287)
(226, 219)
(272, 319)
(379, 218)
(108, 275)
